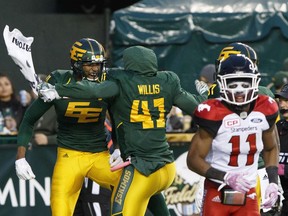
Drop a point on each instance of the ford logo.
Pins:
(256, 120)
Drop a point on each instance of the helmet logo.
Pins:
(251, 66)
(76, 53)
(226, 52)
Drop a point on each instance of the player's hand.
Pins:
(44, 86)
(23, 169)
(47, 92)
(237, 181)
(201, 87)
(271, 196)
(115, 158)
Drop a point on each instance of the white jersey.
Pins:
(237, 141)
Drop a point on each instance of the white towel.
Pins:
(19, 48)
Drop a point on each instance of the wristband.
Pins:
(213, 173)
(272, 172)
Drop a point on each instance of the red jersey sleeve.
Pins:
(209, 115)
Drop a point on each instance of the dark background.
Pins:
(55, 26)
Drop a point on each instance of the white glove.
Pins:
(271, 196)
(115, 158)
(201, 87)
(47, 92)
(237, 181)
(43, 86)
(23, 169)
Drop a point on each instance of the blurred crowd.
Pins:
(12, 108)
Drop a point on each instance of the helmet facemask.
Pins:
(239, 88)
(238, 80)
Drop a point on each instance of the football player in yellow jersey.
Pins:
(82, 147)
(144, 95)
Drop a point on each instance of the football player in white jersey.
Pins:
(233, 130)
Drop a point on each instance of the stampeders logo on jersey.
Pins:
(232, 123)
(202, 107)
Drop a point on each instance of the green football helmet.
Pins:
(234, 49)
(86, 50)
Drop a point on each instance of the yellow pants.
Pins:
(134, 190)
(70, 169)
(258, 191)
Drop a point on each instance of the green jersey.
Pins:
(214, 91)
(80, 121)
(140, 112)
(143, 98)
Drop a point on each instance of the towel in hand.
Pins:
(19, 48)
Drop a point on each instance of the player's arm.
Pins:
(270, 156)
(187, 102)
(199, 148)
(88, 90)
(271, 153)
(33, 113)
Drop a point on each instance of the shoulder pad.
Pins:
(60, 76)
(211, 109)
(266, 105)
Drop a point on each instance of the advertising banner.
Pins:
(26, 198)
(32, 198)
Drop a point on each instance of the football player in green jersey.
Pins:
(143, 96)
(82, 148)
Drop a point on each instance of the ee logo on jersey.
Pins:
(83, 112)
